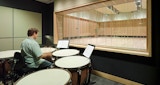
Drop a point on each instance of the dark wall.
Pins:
(32, 5)
(128, 69)
(136, 68)
(141, 69)
(156, 36)
(29, 5)
(47, 22)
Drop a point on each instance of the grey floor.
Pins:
(102, 81)
(96, 80)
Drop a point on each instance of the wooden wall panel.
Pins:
(76, 27)
(124, 28)
(55, 29)
(59, 26)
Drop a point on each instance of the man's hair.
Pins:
(31, 31)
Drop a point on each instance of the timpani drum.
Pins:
(5, 66)
(65, 52)
(46, 77)
(47, 49)
(77, 65)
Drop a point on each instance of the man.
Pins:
(30, 50)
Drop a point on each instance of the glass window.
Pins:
(115, 25)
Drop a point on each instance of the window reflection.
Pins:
(120, 24)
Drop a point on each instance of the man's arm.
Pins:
(46, 55)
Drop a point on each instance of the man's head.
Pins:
(32, 32)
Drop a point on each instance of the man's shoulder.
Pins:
(27, 41)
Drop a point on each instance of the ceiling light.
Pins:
(113, 9)
(138, 4)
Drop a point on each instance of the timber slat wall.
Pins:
(136, 27)
(76, 27)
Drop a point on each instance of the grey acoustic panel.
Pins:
(23, 20)
(6, 22)
(14, 24)
(18, 41)
(6, 44)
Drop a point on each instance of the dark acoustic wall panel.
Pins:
(30, 5)
(129, 70)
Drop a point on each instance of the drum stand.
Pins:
(3, 72)
(5, 75)
(89, 76)
(88, 79)
(79, 77)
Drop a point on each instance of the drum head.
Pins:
(72, 62)
(46, 77)
(65, 52)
